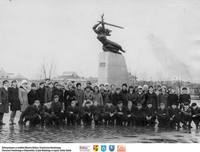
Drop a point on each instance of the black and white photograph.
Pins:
(99, 71)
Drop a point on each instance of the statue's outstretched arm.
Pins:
(95, 27)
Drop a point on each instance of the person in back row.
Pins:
(173, 98)
(151, 97)
(184, 98)
(32, 95)
(13, 97)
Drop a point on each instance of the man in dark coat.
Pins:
(4, 103)
(33, 114)
(41, 93)
(151, 97)
(150, 115)
(32, 95)
(124, 93)
(120, 114)
(69, 95)
(13, 98)
(139, 115)
(57, 90)
(117, 96)
(72, 113)
(140, 96)
(173, 98)
(109, 114)
(48, 92)
(195, 114)
(163, 116)
(184, 98)
(175, 116)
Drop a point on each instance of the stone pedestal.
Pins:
(112, 69)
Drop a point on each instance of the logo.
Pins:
(103, 148)
(111, 148)
(121, 148)
(85, 148)
(95, 148)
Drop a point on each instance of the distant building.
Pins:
(19, 77)
(70, 76)
(4, 75)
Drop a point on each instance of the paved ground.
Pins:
(93, 134)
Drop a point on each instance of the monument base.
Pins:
(112, 69)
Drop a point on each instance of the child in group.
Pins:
(32, 114)
(87, 113)
(195, 114)
(120, 113)
(174, 116)
(186, 116)
(139, 115)
(109, 114)
(150, 114)
(97, 111)
(72, 113)
(129, 113)
(163, 116)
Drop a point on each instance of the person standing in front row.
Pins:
(23, 98)
(13, 97)
(4, 104)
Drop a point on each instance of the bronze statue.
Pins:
(102, 33)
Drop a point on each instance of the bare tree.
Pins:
(48, 70)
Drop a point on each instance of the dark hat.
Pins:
(184, 88)
(124, 84)
(118, 88)
(41, 83)
(131, 87)
(14, 81)
(33, 85)
(78, 84)
(5, 81)
(101, 85)
(186, 103)
(150, 86)
(194, 104)
(55, 96)
(119, 102)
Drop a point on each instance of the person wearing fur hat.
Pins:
(4, 103)
(23, 97)
(13, 97)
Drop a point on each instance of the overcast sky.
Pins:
(162, 38)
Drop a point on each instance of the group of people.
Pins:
(51, 103)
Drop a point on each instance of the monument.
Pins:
(112, 66)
